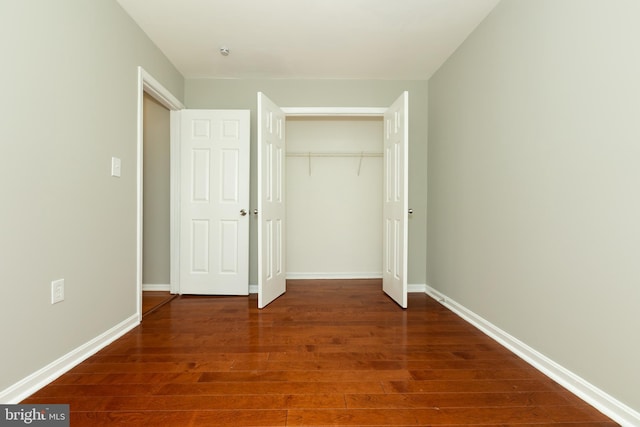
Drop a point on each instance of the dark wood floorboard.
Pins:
(337, 353)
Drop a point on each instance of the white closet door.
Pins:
(271, 201)
(214, 193)
(395, 200)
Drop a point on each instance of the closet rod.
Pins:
(334, 154)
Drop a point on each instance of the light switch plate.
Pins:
(116, 166)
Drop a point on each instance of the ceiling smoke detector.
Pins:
(224, 51)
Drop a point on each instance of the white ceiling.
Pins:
(308, 39)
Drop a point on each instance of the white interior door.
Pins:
(214, 200)
(395, 200)
(271, 201)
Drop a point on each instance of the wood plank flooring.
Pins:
(152, 300)
(337, 353)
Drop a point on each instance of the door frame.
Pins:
(149, 85)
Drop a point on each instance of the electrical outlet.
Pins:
(57, 291)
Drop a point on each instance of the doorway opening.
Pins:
(156, 205)
(156, 92)
(334, 194)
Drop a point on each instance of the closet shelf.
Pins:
(334, 154)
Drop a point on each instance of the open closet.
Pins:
(334, 197)
(275, 158)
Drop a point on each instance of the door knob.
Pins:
(243, 212)
(255, 211)
(410, 211)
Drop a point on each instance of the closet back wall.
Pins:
(334, 203)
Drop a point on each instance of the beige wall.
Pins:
(155, 244)
(241, 94)
(69, 88)
(534, 141)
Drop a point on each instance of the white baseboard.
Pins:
(331, 276)
(416, 288)
(155, 287)
(597, 398)
(29, 385)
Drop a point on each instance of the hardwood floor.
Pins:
(326, 353)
